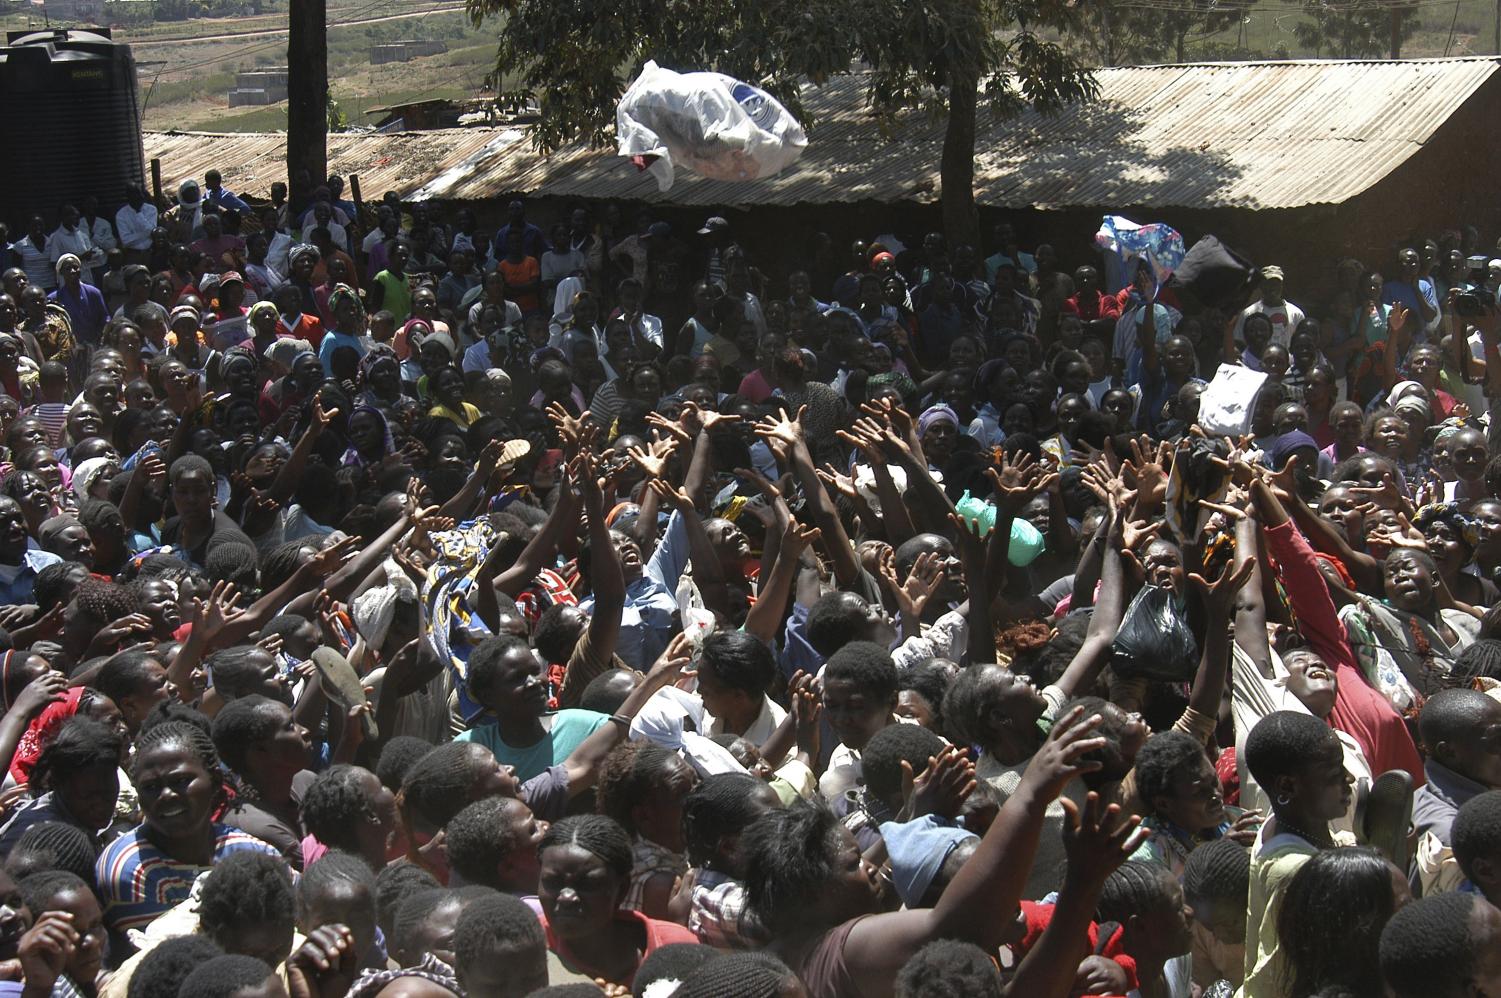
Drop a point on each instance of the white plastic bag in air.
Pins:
(710, 123)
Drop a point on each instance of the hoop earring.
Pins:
(1283, 800)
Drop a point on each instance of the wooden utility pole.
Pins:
(1396, 32)
(307, 99)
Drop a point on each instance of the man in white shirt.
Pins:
(70, 237)
(98, 227)
(134, 222)
(32, 252)
(323, 218)
(1284, 315)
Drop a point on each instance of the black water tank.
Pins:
(70, 124)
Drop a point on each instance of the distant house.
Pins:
(260, 86)
(405, 51)
(75, 11)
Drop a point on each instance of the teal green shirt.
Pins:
(567, 729)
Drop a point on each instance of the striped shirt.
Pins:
(138, 882)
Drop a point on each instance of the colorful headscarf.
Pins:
(936, 414)
(302, 250)
(264, 305)
(1464, 527)
(376, 353)
(41, 732)
(352, 457)
(340, 295)
(402, 341)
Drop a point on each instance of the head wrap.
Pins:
(501, 379)
(1339, 569)
(372, 612)
(1464, 527)
(373, 982)
(904, 385)
(377, 352)
(303, 249)
(41, 732)
(443, 340)
(403, 343)
(284, 350)
(264, 305)
(1416, 404)
(1284, 446)
(53, 526)
(918, 850)
(64, 259)
(936, 414)
(183, 311)
(182, 191)
(352, 456)
(341, 294)
(86, 474)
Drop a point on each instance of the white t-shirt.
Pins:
(1284, 318)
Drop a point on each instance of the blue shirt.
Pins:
(646, 624)
(85, 307)
(566, 730)
(331, 342)
(1401, 291)
(224, 199)
(19, 589)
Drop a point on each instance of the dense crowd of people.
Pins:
(397, 606)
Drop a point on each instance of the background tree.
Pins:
(1354, 29)
(1127, 32)
(953, 57)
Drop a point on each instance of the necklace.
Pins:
(1287, 826)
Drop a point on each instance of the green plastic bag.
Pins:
(1027, 541)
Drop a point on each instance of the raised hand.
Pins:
(675, 659)
(1386, 495)
(321, 417)
(335, 556)
(325, 965)
(47, 948)
(1219, 596)
(806, 706)
(834, 479)
(653, 459)
(671, 428)
(763, 484)
(112, 634)
(942, 787)
(797, 538)
(780, 427)
(670, 496)
(43, 690)
(571, 430)
(913, 594)
(1098, 838)
(1062, 756)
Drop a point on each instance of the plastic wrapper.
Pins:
(1154, 641)
(709, 123)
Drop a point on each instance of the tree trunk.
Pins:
(1396, 32)
(961, 223)
(307, 98)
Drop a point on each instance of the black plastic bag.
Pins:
(1155, 642)
(1214, 275)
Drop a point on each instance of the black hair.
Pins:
(283, 625)
(335, 806)
(81, 743)
(739, 660)
(184, 735)
(1426, 948)
(395, 883)
(834, 620)
(722, 804)
(189, 464)
(881, 761)
(484, 661)
(244, 889)
(1480, 658)
(242, 725)
(931, 681)
(230, 561)
(332, 869)
(498, 921)
(788, 863)
(601, 696)
(1451, 714)
(397, 757)
(1133, 889)
(966, 705)
(53, 845)
(123, 674)
(1330, 921)
(279, 564)
(1476, 832)
(167, 711)
(627, 777)
(39, 889)
(478, 837)
(553, 636)
(596, 833)
(94, 513)
(440, 783)
(234, 671)
(104, 601)
(224, 975)
(1163, 756)
(867, 665)
(414, 910)
(738, 975)
(1218, 871)
(949, 968)
(53, 586)
(673, 962)
(1282, 743)
(165, 966)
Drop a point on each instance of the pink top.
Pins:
(1359, 710)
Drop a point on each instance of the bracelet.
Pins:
(622, 720)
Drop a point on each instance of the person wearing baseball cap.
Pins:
(716, 232)
(1283, 314)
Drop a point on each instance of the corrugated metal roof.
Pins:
(1250, 134)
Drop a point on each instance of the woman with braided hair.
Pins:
(712, 898)
(152, 867)
(586, 872)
